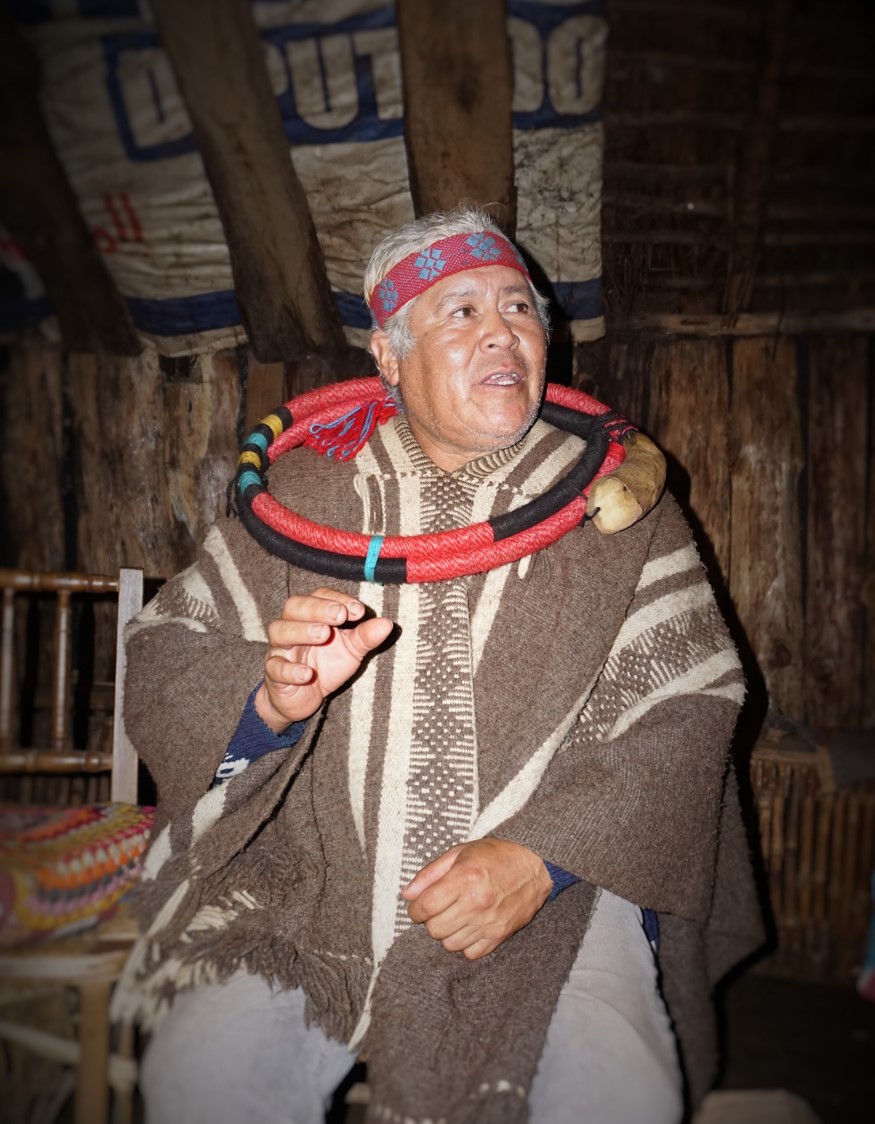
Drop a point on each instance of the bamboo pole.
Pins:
(765, 788)
(661, 174)
(736, 122)
(7, 678)
(792, 931)
(834, 885)
(677, 60)
(845, 927)
(776, 847)
(863, 897)
(788, 281)
(807, 822)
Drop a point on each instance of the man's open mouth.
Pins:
(502, 378)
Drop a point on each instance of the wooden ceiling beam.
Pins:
(41, 212)
(796, 323)
(458, 89)
(279, 274)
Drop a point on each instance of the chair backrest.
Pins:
(59, 755)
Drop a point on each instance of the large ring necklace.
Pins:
(363, 404)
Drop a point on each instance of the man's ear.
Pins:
(385, 357)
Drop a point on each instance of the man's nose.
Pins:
(497, 332)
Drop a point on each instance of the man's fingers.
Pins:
(477, 895)
(280, 669)
(479, 949)
(453, 921)
(313, 648)
(472, 940)
(295, 634)
(313, 619)
(327, 606)
(430, 873)
(291, 640)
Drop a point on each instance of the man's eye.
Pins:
(522, 307)
(463, 311)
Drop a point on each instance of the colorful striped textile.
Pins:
(64, 869)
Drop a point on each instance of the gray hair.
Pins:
(415, 236)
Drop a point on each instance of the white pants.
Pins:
(238, 1053)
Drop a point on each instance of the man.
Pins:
(437, 822)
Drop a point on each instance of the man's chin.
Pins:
(510, 430)
(499, 439)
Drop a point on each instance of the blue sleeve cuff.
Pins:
(650, 922)
(561, 879)
(253, 738)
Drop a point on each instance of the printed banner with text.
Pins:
(123, 134)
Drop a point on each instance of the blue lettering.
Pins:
(342, 82)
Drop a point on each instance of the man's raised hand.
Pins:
(315, 647)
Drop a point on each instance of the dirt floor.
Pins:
(814, 1039)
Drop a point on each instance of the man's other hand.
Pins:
(478, 894)
(315, 647)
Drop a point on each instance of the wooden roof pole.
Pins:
(458, 89)
(282, 288)
(40, 210)
(750, 197)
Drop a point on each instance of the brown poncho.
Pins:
(579, 702)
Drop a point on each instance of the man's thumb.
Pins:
(370, 634)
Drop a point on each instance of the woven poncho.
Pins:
(579, 702)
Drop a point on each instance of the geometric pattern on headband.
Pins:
(422, 269)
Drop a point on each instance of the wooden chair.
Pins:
(89, 962)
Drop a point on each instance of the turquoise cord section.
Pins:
(247, 478)
(371, 557)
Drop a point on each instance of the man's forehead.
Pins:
(474, 282)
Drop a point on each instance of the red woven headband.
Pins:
(418, 272)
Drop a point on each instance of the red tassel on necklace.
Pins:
(346, 435)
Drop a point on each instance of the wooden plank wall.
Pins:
(868, 591)
(765, 573)
(838, 385)
(769, 443)
(32, 459)
(132, 458)
(109, 461)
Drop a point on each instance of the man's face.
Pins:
(473, 381)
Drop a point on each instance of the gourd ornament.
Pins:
(622, 497)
